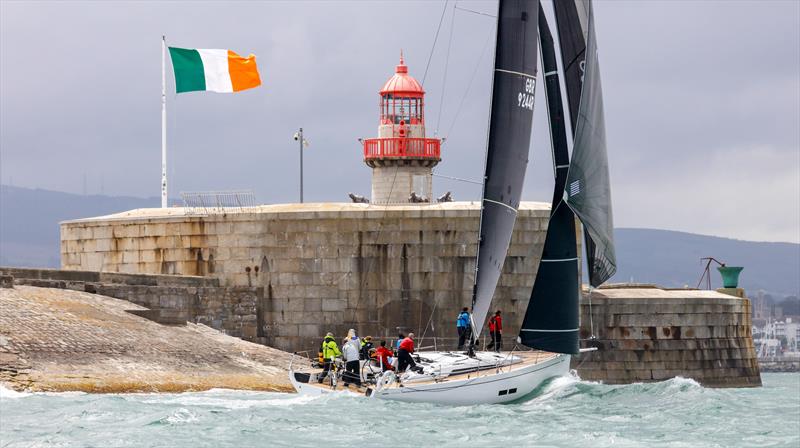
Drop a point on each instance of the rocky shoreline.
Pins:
(60, 340)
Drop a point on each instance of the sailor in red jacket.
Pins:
(404, 359)
(496, 331)
(383, 354)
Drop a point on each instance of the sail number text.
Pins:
(525, 99)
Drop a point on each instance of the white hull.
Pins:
(492, 388)
(503, 384)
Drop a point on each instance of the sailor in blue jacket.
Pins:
(463, 327)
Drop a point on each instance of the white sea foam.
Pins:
(6, 393)
(679, 380)
(230, 399)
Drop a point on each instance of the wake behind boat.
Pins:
(551, 321)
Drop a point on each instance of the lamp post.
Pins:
(298, 137)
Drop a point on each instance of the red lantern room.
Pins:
(402, 99)
(401, 144)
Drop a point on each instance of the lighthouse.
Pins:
(402, 157)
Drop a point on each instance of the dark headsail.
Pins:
(572, 23)
(510, 124)
(588, 187)
(551, 321)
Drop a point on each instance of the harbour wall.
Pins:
(284, 275)
(645, 333)
(169, 299)
(322, 267)
(642, 333)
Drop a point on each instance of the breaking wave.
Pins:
(6, 393)
(564, 412)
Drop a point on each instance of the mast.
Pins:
(551, 321)
(511, 119)
(163, 123)
(589, 189)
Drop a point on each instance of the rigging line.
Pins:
(446, 65)
(475, 12)
(380, 229)
(435, 303)
(471, 80)
(433, 47)
(364, 278)
(458, 179)
(591, 319)
(483, 189)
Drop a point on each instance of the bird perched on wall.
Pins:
(358, 199)
(447, 197)
(417, 199)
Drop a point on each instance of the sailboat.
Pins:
(551, 323)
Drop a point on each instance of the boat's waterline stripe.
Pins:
(550, 331)
(557, 260)
(515, 73)
(500, 203)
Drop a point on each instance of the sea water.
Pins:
(565, 412)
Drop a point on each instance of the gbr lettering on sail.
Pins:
(525, 99)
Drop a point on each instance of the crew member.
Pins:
(352, 350)
(366, 347)
(329, 352)
(462, 323)
(400, 337)
(496, 331)
(383, 354)
(404, 359)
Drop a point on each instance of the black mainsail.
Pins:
(510, 125)
(588, 190)
(551, 322)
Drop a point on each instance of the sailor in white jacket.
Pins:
(350, 351)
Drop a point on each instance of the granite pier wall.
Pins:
(642, 334)
(323, 267)
(170, 299)
(647, 334)
(284, 275)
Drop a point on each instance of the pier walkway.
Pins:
(62, 340)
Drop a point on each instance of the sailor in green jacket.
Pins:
(329, 352)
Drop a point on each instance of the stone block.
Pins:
(311, 331)
(333, 305)
(6, 281)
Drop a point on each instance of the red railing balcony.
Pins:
(402, 148)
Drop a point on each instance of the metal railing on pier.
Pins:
(208, 202)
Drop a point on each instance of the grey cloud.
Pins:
(699, 96)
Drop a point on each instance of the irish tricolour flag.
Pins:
(213, 70)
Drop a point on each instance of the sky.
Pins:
(702, 102)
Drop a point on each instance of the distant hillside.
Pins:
(29, 233)
(29, 236)
(672, 259)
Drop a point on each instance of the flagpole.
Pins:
(163, 123)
